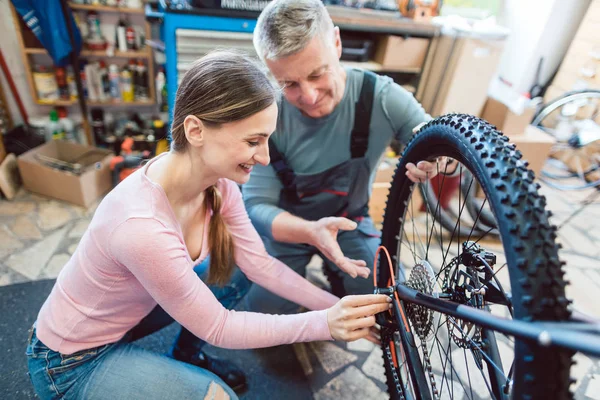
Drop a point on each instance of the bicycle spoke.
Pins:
(457, 222)
(476, 219)
(499, 369)
(438, 209)
(415, 232)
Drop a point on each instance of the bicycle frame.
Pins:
(583, 337)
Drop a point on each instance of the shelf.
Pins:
(31, 50)
(120, 103)
(56, 103)
(375, 66)
(98, 53)
(88, 7)
(117, 54)
(67, 103)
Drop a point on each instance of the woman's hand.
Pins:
(353, 317)
(324, 238)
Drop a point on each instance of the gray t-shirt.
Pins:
(312, 145)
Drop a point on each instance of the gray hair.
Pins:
(285, 27)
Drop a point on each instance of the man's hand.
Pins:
(425, 170)
(324, 238)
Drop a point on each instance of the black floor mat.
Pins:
(272, 373)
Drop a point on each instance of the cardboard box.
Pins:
(462, 69)
(396, 52)
(535, 145)
(498, 114)
(83, 189)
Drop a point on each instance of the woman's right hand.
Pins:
(352, 317)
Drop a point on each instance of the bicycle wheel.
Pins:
(440, 356)
(574, 120)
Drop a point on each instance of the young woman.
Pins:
(145, 238)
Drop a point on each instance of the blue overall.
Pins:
(342, 191)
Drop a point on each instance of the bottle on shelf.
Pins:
(71, 84)
(130, 37)
(67, 124)
(98, 126)
(159, 83)
(165, 100)
(55, 131)
(95, 40)
(83, 77)
(105, 87)
(114, 79)
(127, 85)
(45, 84)
(132, 3)
(141, 84)
(120, 35)
(61, 82)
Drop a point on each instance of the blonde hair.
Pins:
(221, 87)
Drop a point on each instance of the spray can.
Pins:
(114, 81)
(127, 88)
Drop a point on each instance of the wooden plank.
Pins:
(98, 53)
(426, 71)
(383, 21)
(88, 7)
(117, 54)
(150, 56)
(24, 56)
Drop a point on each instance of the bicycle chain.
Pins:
(387, 338)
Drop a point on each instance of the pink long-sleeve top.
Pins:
(133, 257)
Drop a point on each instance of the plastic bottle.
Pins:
(121, 39)
(55, 130)
(98, 126)
(165, 101)
(61, 81)
(141, 84)
(132, 65)
(105, 88)
(130, 37)
(159, 82)
(71, 84)
(83, 77)
(68, 126)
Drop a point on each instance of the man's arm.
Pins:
(402, 111)
(406, 116)
(261, 198)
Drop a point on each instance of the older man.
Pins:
(333, 126)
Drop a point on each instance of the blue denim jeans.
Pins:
(122, 370)
(116, 371)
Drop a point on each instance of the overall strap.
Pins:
(282, 169)
(359, 141)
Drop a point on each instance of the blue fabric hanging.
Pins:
(45, 18)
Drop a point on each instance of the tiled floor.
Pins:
(38, 235)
